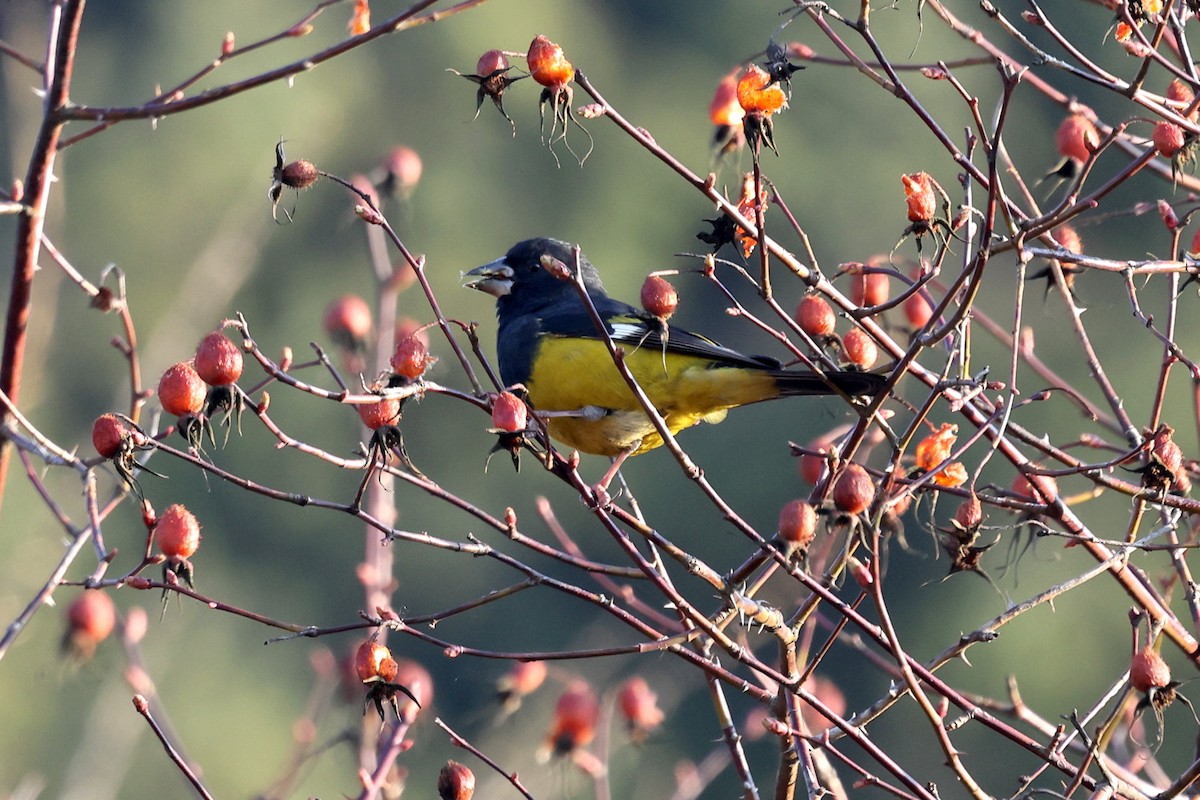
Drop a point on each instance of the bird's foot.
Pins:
(600, 499)
(589, 413)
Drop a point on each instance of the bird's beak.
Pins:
(494, 278)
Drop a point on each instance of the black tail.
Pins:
(852, 383)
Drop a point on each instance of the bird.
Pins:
(548, 342)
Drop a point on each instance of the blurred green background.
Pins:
(181, 208)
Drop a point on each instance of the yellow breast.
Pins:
(579, 375)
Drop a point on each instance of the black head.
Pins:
(524, 279)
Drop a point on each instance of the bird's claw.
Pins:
(601, 499)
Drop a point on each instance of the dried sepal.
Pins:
(118, 440)
(760, 97)
(510, 422)
(383, 418)
(491, 76)
(921, 199)
(296, 175)
(550, 67)
(380, 673)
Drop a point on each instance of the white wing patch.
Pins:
(628, 332)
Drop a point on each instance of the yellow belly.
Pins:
(613, 434)
(576, 375)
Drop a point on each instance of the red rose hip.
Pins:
(177, 533)
(376, 415)
(815, 316)
(659, 297)
(218, 360)
(181, 391)
(854, 491)
(109, 435)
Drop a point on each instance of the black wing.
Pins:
(628, 326)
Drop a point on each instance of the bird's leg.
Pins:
(591, 413)
(600, 490)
